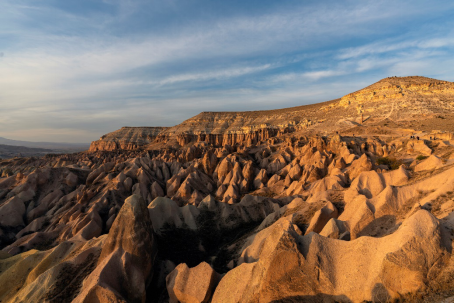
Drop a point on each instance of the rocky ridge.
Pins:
(401, 98)
(126, 138)
(365, 214)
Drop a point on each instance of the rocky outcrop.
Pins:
(407, 96)
(402, 96)
(276, 201)
(126, 262)
(192, 285)
(126, 138)
(305, 268)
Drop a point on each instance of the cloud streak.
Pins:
(91, 69)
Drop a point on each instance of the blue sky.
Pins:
(74, 70)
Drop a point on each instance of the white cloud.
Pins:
(90, 74)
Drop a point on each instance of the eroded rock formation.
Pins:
(241, 207)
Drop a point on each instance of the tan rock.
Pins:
(192, 285)
(209, 162)
(273, 180)
(12, 212)
(128, 184)
(289, 266)
(156, 190)
(127, 258)
(261, 178)
(358, 166)
(71, 180)
(164, 211)
(333, 229)
(432, 162)
(321, 217)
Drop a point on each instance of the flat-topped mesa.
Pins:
(400, 98)
(409, 95)
(126, 138)
(249, 127)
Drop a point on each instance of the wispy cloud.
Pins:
(97, 66)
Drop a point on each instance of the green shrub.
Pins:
(421, 157)
(383, 161)
(392, 163)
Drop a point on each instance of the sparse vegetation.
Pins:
(421, 157)
(392, 163)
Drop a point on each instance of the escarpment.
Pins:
(402, 98)
(126, 138)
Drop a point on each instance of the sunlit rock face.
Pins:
(126, 138)
(304, 204)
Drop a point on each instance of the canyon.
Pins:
(349, 200)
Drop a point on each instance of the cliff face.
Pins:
(395, 98)
(126, 138)
(246, 128)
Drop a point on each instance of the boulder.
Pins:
(71, 179)
(192, 285)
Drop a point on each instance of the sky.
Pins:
(73, 70)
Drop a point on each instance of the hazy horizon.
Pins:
(75, 70)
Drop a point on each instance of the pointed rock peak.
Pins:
(208, 202)
(132, 231)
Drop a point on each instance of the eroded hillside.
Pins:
(329, 212)
(403, 99)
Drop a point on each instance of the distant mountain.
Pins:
(10, 151)
(54, 146)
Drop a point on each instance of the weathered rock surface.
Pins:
(127, 138)
(299, 204)
(287, 265)
(125, 265)
(192, 285)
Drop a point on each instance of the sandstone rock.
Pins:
(209, 162)
(127, 257)
(12, 212)
(208, 203)
(34, 226)
(419, 146)
(295, 173)
(314, 264)
(273, 180)
(164, 211)
(232, 194)
(126, 138)
(358, 166)
(334, 229)
(128, 184)
(71, 180)
(261, 178)
(156, 190)
(224, 168)
(192, 285)
(432, 162)
(321, 217)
